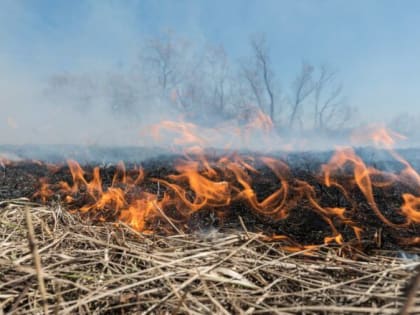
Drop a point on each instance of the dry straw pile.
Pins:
(52, 262)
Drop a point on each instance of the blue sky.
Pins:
(374, 44)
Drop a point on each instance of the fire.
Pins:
(378, 135)
(44, 191)
(411, 207)
(186, 133)
(217, 185)
(362, 177)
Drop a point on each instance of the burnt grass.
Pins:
(302, 226)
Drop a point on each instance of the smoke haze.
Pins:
(75, 72)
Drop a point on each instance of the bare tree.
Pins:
(218, 75)
(198, 82)
(321, 86)
(163, 56)
(329, 108)
(302, 88)
(260, 76)
(324, 77)
(251, 75)
(174, 64)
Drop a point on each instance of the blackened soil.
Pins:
(302, 225)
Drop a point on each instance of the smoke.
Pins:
(32, 114)
(79, 79)
(82, 46)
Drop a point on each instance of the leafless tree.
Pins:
(302, 87)
(251, 75)
(217, 60)
(174, 64)
(191, 77)
(163, 56)
(319, 88)
(329, 108)
(260, 76)
(199, 82)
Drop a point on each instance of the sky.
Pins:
(374, 44)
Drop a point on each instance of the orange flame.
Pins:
(200, 184)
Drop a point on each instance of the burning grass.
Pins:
(105, 268)
(200, 234)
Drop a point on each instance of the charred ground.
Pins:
(302, 226)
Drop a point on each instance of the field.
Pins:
(56, 262)
(107, 269)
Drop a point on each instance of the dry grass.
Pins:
(67, 266)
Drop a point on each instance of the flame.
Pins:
(362, 177)
(44, 191)
(215, 185)
(411, 207)
(379, 136)
(187, 133)
(260, 121)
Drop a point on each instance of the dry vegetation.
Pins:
(107, 269)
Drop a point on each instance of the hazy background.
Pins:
(88, 72)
